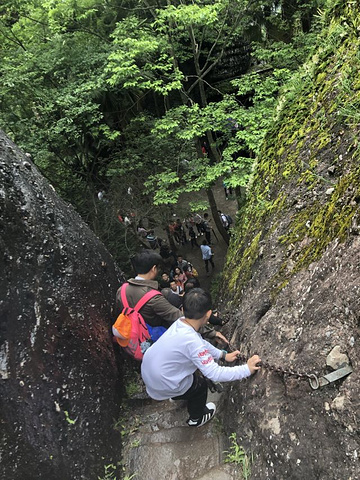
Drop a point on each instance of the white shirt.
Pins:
(197, 218)
(178, 291)
(224, 220)
(206, 252)
(168, 365)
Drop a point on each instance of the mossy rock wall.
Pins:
(60, 387)
(292, 278)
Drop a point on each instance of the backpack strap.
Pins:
(123, 295)
(148, 295)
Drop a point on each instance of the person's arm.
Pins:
(215, 319)
(220, 337)
(118, 303)
(203, 353)
(162, 308)
(207, 332)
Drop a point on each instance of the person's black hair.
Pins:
(219, 211)
(206, 215)
(144, 261)
(196, 303)
(166, 292)
(179, 256)
(204, 242)
(190, 284)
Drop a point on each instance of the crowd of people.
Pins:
(186, 232)
(183, 356)
(184, 349)
(190, 229)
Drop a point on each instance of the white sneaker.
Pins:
(209, 412)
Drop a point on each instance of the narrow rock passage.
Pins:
(162, 447)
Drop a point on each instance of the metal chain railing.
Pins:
(274, 368)
(313, 379)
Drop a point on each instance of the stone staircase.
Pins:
(162, 447)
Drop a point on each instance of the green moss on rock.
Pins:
(293, 194)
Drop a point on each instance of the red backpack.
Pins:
(130, 329)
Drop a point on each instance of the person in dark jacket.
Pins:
(164, 282)
(172, 297)
(157, 311)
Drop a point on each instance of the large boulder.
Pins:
(60, 388)
(292, 280)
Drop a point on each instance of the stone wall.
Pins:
(60, 386)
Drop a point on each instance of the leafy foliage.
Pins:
(237, 455)
(103, 92)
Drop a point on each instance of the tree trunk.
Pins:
(212, 201)
(216, 216)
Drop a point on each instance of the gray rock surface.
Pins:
(223, 472)
(162, 446)
(336, 359)
(297, 248)
(59, 384)
(293, 431)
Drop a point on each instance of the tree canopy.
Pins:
(100, 91)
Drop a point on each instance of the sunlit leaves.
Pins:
(190, 15)
(141, 59)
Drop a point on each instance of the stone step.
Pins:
(163, 447)
(223, 472)
(174, 460)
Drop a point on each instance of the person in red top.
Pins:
(181, 276)
(188, 273)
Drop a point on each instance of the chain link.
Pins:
(266, 365)
(274, 368)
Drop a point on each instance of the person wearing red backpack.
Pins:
(143, 313)
(157, 311)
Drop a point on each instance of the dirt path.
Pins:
(218, 245)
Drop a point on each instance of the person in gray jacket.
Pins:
(157, 311)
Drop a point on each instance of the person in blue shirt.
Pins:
(207, 255)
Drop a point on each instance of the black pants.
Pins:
(207, 264)
(193, 242)
(227, 190)
(196, 397)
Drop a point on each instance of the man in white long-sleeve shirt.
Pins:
(169, 365)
